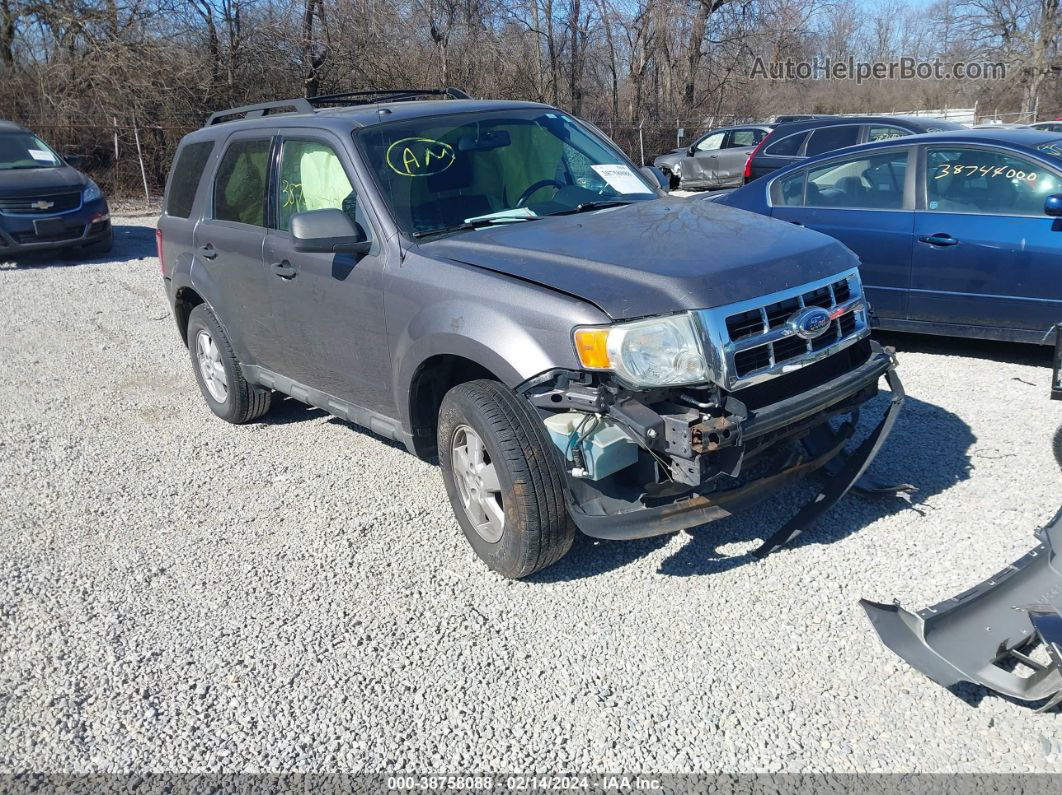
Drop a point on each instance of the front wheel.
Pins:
(503, 478)
(1058, 445)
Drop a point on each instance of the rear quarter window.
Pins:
(786, 147)
(826, 139)
(185, 176)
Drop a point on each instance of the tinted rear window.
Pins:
(184, 179)
(786, 147)
(826, 139)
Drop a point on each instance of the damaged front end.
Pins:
(1004, 633)
(648, 462)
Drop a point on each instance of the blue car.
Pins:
(958, 233)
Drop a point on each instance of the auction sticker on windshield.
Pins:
(44, 157)
(621, 178)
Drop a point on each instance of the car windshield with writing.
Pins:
(462, 171)
(21, 150)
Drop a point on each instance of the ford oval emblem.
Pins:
(810, 323)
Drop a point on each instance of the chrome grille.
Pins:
(48, 204)
(756, 340)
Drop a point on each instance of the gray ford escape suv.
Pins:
(481, 281)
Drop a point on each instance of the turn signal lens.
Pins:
(591, 345)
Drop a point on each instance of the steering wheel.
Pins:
(542, 183)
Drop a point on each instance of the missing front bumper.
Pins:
(647, 522)
(987, 634)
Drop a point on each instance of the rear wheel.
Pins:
(503, 478)
(221, 381)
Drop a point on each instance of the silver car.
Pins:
(715, 160)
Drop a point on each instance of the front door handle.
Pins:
(208, 251)
(284, 270)
(939, 239)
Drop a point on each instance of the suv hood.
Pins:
(24, 181)
(653, 257)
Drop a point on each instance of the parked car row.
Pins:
(731, 156)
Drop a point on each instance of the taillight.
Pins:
(158, 246)
(752, 154)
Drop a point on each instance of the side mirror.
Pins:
(328, 232)
(691, 151)
(73, 161)
(658, 176)
(1053, 205)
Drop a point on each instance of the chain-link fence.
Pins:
(127, 159)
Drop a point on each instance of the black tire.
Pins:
(100, 247)
(1058, 445)
(673, 181)
(243, 402)
(537, 529)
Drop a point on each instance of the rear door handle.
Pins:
(939, 239)
(208, 251)
(284, 270)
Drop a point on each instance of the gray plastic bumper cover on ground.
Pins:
(986, 635)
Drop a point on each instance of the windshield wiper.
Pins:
(475, 223)
(594, 205)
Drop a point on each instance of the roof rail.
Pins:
(301, 105)
(298, 105)
(386, 95)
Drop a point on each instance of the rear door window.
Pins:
(240, 185)
(873, 182)
(826, 139)
(740, 138)
(786, 147)
(185, 176)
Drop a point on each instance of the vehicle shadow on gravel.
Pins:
(131, 243)
(942, 439)
(1009, 352)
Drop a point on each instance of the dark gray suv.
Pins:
(483, 282)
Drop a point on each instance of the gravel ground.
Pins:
(178, 594)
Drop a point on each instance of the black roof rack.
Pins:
(302, 105)
(386, 95)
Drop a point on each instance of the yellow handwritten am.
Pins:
(437, 156)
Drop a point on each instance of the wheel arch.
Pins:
(432, 379)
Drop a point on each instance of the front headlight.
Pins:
(664, 351)
(92, 192)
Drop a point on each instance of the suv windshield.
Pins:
(22, 150)
(443, 173)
